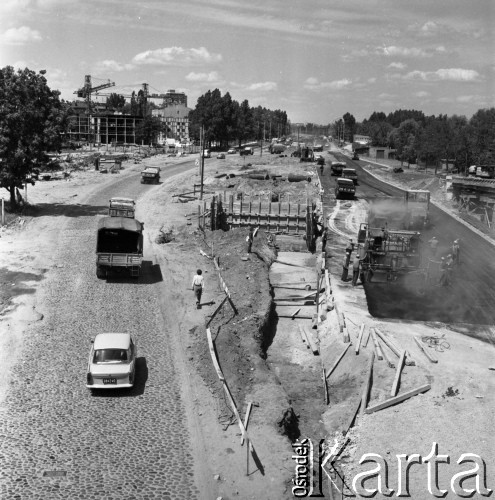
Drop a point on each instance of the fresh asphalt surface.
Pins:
(471, 297)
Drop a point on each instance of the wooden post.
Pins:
(367, 387)
(337, 361)
(325, 386)
(3, 212)
(398, 399)
(400, 365)
(231, 205)
(378, 349)
(358, 343)
(432, 358)
(199, 215)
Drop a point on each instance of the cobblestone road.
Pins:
(58, 441)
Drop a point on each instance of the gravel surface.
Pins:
(110, 444)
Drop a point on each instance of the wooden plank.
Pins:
(213, 355)
(315, 346)
(378, 350)
(345, 335)
(301, 334)
(325, 386)
(360, 336)
(366, 337)
(289, 263)
(394, 348)
(295, 312)
(299, 316)
(430, 356)
(387, 357)
(246, 419)
(367, 387)
(306, 336)
(398, 399)
(216, 311)
(337, 361)
(400, 365)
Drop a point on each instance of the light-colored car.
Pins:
(221, 156)
(112, 361)
(231, 151)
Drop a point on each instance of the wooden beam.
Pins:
(394, 348)
(345, 335)
(299, 316)
(388, 359)
(366, 337)
(432, 358)
(325, 386)
(378, 349)
(367, 386)
(294, 313)
(213, 355)
(398, 399)
(400, 365)
(360, 336)
(216, 311)
(337, 361)
(246, 419)
(302, 335)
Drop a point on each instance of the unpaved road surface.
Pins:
(112, 445)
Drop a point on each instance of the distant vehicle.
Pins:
(206, 153)
(319, 160)
(112, 362)
(295, 144)
(221, 156)
(119, 246)
(172, 154)
(277, 148)
(231, 151)
(246, 151)
(337, 167)
(355, 156)
(318, 147)
(121, 207)
(344, 188)
(350, 173)
(398, 170)
(307, 154)
(150, 175)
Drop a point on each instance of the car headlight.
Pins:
(89, 379)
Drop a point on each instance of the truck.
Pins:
(350, 173)
(344, 188)
(246, 151)
(150, 175)
(337, 167)
(277, 148)
(307, 154)
(119, 246)
(121, 207)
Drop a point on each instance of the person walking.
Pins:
(324, 238)
(449, 264)
(433, 245)
(443, 273)
(198, 285)
(249, 239)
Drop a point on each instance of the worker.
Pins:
(433, 245)
(249, 239)
(449, 264)
(198, 285)
(356, 266)
(324, 237)
(348, 252)
(456, 252)
(443, 273)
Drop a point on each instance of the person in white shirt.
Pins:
(198, 285)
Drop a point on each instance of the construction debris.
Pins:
(394, 348)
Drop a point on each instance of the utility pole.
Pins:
(202, 161)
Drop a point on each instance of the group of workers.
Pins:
(446, 263)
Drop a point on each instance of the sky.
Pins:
(314, 59)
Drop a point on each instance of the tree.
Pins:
(149, 129)
(405, 140)
(350, 126)
(115, 101)
(32, 122)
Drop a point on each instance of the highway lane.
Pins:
(110, 444)
(471, 297)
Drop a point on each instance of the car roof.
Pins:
(345, 181)
(122, 200)
(349, 170)
(120, 223)
(112, 341)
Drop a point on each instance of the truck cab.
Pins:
(121, 207)
(150, 175)
(344, 188)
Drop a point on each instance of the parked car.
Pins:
(112, 361)
(221, 156)
(231, 151)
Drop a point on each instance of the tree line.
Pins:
(428, 139)
(227, 121)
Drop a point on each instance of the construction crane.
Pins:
(86, 91)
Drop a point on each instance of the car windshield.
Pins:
(110, 356)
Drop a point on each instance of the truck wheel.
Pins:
(100, 273)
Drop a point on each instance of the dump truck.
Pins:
(337, 167)
(277, 148)
(119, 246)
(121, 207)
(344, 188)
(389, 253)
(350, 173)
(150, 175)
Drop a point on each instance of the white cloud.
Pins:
(314, 84)
(371, 80)
(203, 77)
(20, 36)
(393, 51)
(262, 87)
(176, 56)
(441, 49)
(429, 27)
(397, 65)
(450, 74)
(111, 65)
(422, 93)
